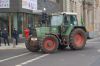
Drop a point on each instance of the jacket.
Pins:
(4, 34)
(15, 34)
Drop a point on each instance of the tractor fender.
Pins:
(81, 27)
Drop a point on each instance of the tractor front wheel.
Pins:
(77, 39)
(32, 45)
(49, 44)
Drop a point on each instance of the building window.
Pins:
(20, 20)
(30, 20)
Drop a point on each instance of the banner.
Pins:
(29, 4)
(4, 3)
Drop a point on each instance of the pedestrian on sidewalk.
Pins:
(15, 37)
(0, 36)
(5, 36)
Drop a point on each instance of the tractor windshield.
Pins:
(56, 20)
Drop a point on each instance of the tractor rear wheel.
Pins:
(32, 45)
(49, 44)
(77, 39)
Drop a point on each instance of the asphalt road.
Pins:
(89, 56)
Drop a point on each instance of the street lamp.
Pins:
(44, 9)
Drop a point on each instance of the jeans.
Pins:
(16, 40)
(6, 41)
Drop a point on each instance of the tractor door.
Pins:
(73, 20)
(69, 22)
(65, 24)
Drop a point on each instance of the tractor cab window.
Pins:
(73, 20)
(66, 20)
(56, 20)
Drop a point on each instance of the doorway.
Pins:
(4, 21)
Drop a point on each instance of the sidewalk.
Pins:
(19, 46)
(94, 39)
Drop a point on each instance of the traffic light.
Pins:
(44, 17)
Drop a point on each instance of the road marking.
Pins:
(14, 57)
(94, 42)
(32, 60)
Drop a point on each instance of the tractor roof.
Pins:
(68, 13)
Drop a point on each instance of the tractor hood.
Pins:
(42, 31)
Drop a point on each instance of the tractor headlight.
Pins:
(34, 39)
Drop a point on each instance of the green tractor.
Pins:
(62, 31)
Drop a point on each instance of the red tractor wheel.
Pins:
(77, 39)
(49, 45)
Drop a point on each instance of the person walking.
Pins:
(0, 36)
(15, 37)
(5, 36)
(27, 33)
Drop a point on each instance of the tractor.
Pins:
(62, 31)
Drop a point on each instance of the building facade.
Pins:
(21, 14)
(88, 12)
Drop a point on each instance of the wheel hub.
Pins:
(49, 44)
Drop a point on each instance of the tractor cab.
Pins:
(64, 18)
(58, 24)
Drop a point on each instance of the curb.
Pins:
(20, 46)
(93, 39)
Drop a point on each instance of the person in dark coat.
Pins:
(5, 36)
(0, 36)
(15, 35)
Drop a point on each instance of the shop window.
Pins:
(20, 20)
(37, 20)
(30, 21)
(4, 21)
